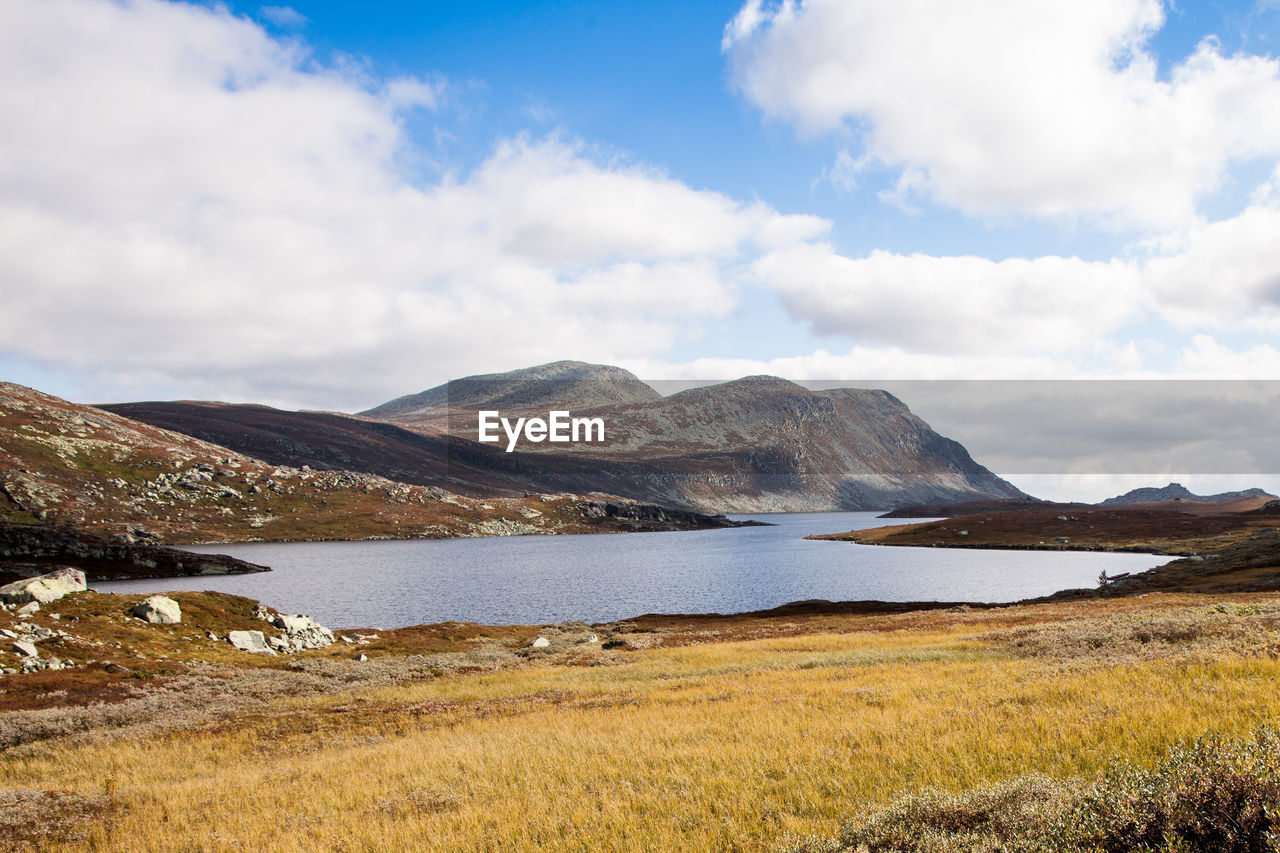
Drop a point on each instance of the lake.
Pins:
(596, 578)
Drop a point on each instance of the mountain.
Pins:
(570, 385)
(757, 444)
(1179, 492)
(67, 464)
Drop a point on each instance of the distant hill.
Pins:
(756, 444)
(1179, 492)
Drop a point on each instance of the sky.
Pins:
(326, 205)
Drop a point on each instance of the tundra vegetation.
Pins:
(1112, 724)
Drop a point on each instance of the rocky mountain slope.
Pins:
(754, 445)
(68, 464)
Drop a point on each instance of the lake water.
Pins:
(539, 579)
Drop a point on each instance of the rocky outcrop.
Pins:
(300, 633)
(29, 548)
(297, 633)
(157, 609)
(46, 588)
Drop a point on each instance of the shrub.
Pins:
(1208, 796)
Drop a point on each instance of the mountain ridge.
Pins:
(755, 444)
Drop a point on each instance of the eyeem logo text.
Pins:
(556, 427)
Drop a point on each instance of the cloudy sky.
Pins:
(329, 204)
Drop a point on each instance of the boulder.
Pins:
(250, 641)
(540, 643)
(26, 649)
(29, 609)
(157, 609)
(45, 588)
(302, 632)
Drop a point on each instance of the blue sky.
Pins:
(329, 204)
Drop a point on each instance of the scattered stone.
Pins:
(26, 649)
(249, 641)
(616, 644)
(540, 643)
(590, 638)
(5, 632)
(211, 635)
(29, 609)
(361, 657)
(115, 668)
(157, 609)
(44, 588)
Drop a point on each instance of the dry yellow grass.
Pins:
(722, 746)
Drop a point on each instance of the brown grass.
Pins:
(721, 744)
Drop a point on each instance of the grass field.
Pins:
(701, 741)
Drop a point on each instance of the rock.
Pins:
(29, 609)
(590, 638)
(302, 632)
(115, 668)
(249, 641)
(361, 657)
(26, 649)
(540, 643)
(45, 588)
(5, 632)
(157, 609)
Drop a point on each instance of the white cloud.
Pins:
(283, 16)
(950, 305)
(186, 202)
(1049, 109)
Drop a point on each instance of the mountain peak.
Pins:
(556, 385)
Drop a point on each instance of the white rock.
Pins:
(5, 632)
(540, 643)
(29, 609)
(26, 649)
(158, 609)
(45, 588)
(590, 638)
(360, 657)
(249, 641)
(302, 632)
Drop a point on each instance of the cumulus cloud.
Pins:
(188, 202)
(954, 304)
(1049, 109)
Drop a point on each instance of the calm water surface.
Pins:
(538, 579)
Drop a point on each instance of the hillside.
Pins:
(74, 465)
(757, 444)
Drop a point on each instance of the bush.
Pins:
(1209, 796)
